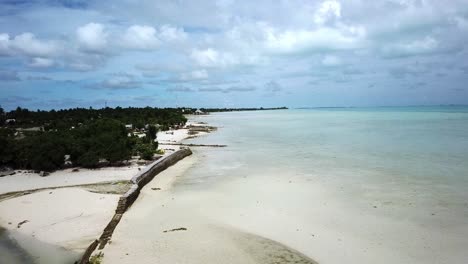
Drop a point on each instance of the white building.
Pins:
(10, 121)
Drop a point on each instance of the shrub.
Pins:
(160, 151)
(88, 160)
(96, 259)
(146, 153)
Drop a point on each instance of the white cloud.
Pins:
(331, 61)
(120, 81)
(416, 47)
(26, 44)
(180, 89)
(328, 10)
(261, 38)
(325, 38)
(92, 37)
(41, 62)
(212, 58)
(148, 38)
(4, 44)
(169, 33)
(81, 66)
(195, 75)
(461, 23)
(273, 87)
(141, 37)
(207, 57)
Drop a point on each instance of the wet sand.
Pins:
(160, 229)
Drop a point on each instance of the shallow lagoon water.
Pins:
(382, 185)
(16, 248)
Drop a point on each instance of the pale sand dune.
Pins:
(69, 217)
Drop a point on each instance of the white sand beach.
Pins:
(172, 136)
(222, 227)
(66, 217)
(161, 228)
(22, 181)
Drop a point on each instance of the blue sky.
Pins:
(226, 53)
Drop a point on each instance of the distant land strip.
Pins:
(241, 109)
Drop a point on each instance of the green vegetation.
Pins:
(41, 140)
(96, 259)
(64, 119)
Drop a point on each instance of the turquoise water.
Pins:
(384, 144)
(399, 174)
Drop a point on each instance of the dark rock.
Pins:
(75, 170)
(155, 189)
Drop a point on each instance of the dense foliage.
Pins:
(64, 119)
(90, 137)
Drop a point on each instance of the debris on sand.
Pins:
(175, 229)
(21, 223)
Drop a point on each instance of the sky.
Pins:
(58, 54)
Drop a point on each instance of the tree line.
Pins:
(89, 137)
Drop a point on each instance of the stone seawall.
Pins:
(126, 200)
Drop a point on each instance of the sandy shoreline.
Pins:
(71, 208)
(165, 226)
(159, 229)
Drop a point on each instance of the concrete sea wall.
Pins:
(126, 200)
